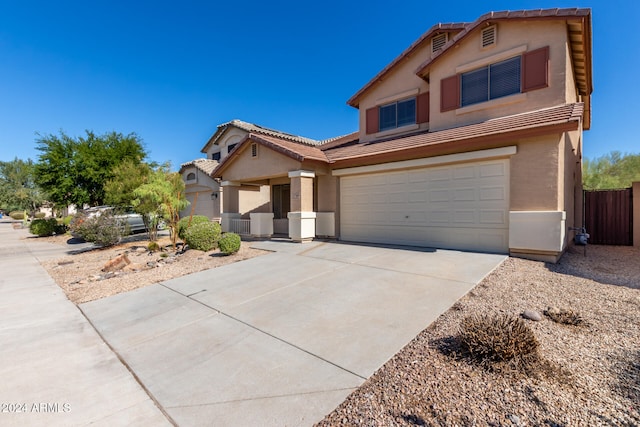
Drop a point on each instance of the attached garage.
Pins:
(460, 206)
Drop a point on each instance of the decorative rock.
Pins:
(133, 267)
(532, 315)
(514, 419)
(152, 264)
(118, 263)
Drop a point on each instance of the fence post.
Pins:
(635, 194)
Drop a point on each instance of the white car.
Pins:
(130, 219)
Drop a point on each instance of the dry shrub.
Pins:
(564, 316)
(499, 341)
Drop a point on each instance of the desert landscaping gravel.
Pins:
(590, 375)
(82, 278)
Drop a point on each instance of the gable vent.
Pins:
(488, 37)
(438, 41)
(254, 150)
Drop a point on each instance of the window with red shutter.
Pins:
(372, 120)
(423, 108)
(535, 69)
(450, 93)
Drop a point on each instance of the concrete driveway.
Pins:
(281, 339)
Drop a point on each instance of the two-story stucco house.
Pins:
(470, 139)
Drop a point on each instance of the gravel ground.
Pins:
(82, 279)
(589, 374)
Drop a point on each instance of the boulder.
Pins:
(118, 263)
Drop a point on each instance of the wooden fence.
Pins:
(609, 216)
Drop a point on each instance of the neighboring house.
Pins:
(202, 191)
(471, 139)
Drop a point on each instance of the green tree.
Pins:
(163, 195)
(611, 171)
(75, 170)
(18, 189)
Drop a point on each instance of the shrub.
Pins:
(17, 215)
(203, 236)
(103, 229)
(499, 339)
(564, 316)
(153, 247)
(229, 243)
(43, 227)
(184, 224)
(39, 215)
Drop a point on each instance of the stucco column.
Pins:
(230, 204)
(636, 214)
(302, 218)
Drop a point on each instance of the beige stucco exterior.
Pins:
(267, 164)
(535, 174)
(202, 192)
(513, 38)
(544, 162)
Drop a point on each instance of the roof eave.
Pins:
(584, 13)
(457, 144)
(354, 101)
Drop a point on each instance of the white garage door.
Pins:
(463, 206)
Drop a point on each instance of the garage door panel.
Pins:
(493, 169)
(464, 172)
(455, 206)
(493, 217)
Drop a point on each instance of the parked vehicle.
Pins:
(131, 221)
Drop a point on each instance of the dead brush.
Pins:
(499, 342)
(564, 316)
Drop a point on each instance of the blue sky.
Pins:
(172, 71)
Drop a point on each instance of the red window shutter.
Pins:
(422, 105)
(535, 69)
(372, 120)
(450, 93)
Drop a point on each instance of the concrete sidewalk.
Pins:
(281, 339)
(55, 370)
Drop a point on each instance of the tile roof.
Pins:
(536, 122)
(505, 15)
(205, 165)
(253, 128)
(339, 140)
(289, 148)
(437, 28)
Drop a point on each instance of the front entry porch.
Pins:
(290, 211)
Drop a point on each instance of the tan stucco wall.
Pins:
(302, 194)
(571, 89)
(327, 195)
(267, 164)
(535, 174)
(204, 185)
(510, 35)
(254, 199)
(572, 179)
(395, 84)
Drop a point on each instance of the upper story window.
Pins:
(216, 156)
(191, 176)
(491, 82)
(520, 74)
(397, 114)
(230, 147)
